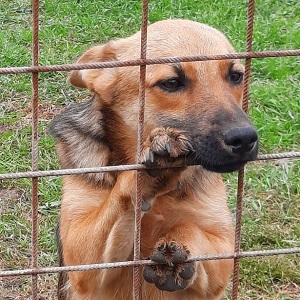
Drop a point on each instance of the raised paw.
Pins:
(164, 146)
(173, 273)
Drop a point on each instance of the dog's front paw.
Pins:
(173, 274)
(164, 146)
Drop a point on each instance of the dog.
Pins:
(194, 130)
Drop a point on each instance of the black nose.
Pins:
(241, 139)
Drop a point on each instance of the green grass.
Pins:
(67, 28)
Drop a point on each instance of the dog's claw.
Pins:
(190, 146)
(151, 157)
(168, 147)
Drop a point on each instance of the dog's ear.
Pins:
(96, 80)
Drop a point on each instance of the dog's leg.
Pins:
(95, 224)
(165, 147)
(174, 273)
(62, 290)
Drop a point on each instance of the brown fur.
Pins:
(189, 125)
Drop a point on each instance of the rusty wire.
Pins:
(35, 69)
(61, 172)
(149, 61)
(241, 173)
(124, 264)
(34, 147)
(137, 276)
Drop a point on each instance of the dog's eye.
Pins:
(171, 85)
(236, 77)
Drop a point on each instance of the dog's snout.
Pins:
(241, 139)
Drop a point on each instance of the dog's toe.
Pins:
(150, 274)
(173, 273)
(179, 253)
(171, 285)
(188, 270)
(168, 278)
(170, 253)
(159, 255)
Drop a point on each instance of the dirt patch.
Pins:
(46, 112)
(19, 288)
(15, 248)
(9, 197)
(289, 291)
(23, 115)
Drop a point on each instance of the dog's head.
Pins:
(201, 98)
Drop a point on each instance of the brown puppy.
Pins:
(192, 116)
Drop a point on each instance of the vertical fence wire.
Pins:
(241, 173)
(34, 146)
(137, 277)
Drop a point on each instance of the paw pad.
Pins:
(173, 273)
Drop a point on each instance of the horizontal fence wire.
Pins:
(61, 172)
(124, 264)
(142, 62)
(149, 61)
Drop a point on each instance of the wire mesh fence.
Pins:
(35, 174)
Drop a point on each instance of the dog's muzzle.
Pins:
(225, 152)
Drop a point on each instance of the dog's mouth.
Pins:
(217, 166)
(224, 168)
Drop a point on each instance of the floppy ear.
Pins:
(96, 80)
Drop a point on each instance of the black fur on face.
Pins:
(207, 133)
